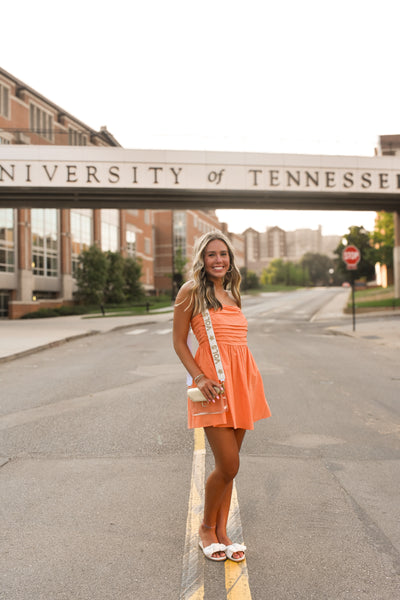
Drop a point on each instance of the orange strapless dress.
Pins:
(243, 384)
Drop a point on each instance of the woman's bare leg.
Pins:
(225, 444)
(223, 513)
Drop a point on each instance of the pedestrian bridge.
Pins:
(92, 177)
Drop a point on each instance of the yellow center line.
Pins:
(192, 586)
(237, 581)
(236, 574)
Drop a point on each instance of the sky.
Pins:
(284, 76)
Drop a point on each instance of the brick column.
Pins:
(97, 227)
(396, 254)
(122, 234)
(25, 276)
(66, 255)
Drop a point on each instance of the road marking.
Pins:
(136, 331)
(236, 574)
(140, 331)
(192, 586)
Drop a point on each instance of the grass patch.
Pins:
(384, 303)
(112, 310)
(375, 298)
(137, 308)
(377, 293)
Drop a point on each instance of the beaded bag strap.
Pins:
(213, 345)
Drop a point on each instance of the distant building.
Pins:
(329, 243)
(175, 234)
(388, 145)
(301, 241)
(39, 248)
(252, 250)
(238, 243)
(275, 242)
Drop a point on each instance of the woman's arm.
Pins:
(181, 326)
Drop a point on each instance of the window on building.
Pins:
(4, 101)
(4, 298)
(7, 240)
(130, 241)
(45, 242)
(81, 234)
(110, 229)
(3, 140)
(76, 138)
(147, 217)
(179, 228)
(147, 245)
(41, 122)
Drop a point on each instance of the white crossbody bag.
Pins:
(199, 405)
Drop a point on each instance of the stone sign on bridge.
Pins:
(44, 176)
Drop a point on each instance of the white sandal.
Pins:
(232, 548)
(208, 551)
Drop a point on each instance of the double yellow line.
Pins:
(236, 574)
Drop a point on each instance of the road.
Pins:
(97, 467)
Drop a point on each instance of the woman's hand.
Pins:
(209, 388)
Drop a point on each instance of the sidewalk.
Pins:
(382, 327)
(25, 336)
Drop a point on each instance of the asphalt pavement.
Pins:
(21, 337)
(94, 486)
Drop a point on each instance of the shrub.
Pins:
(91, 276)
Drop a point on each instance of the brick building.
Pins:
(175, 234)
(39, 248)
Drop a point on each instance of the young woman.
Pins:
(215, 285)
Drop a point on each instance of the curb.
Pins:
(71, 338)
(334, 331)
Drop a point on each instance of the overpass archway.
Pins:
(93, 177)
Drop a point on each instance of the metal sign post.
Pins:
(351, 256)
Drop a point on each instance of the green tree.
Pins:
(132, 273)
(91, 276)
(115, 283)
(383, 238)
(249, 281)
(318, 266)
(180, 262)
(296, 274)
(253, 281)
(359, 237)
(275, 271)
(285, 272)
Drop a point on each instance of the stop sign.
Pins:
(351, 256)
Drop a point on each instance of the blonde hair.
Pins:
(202, 293)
